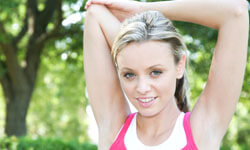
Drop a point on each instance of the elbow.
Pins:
(90, 11)
(94, 10)
(236, 11)
(241, 8)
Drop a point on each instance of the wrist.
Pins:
(145, 6)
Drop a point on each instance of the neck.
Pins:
(158, 126)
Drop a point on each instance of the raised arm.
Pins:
(215, 107)
(105, 95)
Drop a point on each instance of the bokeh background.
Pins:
(43, 100)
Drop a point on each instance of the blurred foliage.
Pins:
(59, 94)
(26, 143)
(58, 103)
(57, 108)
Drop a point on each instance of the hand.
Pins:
(121, 9)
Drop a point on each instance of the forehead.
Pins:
(145, 54)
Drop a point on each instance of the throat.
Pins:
(154, 139)
(156, 132)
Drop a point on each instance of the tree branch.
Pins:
(2, 30)
(58, 24)
(32, 6)
(15, 72)
(46, 15)
(35, 46)
(31, 9)
(59, 14)
(5, 82)
(33, 61)
(22, 32)
(4, 36)
(32, 14)
(56, 35)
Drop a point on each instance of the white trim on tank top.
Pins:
(176, 141)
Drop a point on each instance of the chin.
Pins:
(147, 113)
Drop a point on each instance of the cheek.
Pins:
(128, 87)
(167, 85)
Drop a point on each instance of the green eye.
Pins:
(156, 73)
(129, 75)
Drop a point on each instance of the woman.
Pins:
(149, 66)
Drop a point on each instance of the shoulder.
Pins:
(109, 135)
(204, 133)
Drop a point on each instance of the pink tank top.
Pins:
(119, 142)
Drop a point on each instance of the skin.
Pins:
(153, 74)
(216, 105)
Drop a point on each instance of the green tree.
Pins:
(35, 23)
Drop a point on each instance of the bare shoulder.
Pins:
(205, 127)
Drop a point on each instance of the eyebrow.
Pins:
(157, 65)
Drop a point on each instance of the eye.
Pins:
(156, 73)
(129, 75)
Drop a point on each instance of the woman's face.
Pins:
(148, 75)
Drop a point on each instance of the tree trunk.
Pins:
(18, 81)
(16, 115)
(17, 104)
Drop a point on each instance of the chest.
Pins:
(176, 140)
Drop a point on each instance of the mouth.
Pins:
(146, 101)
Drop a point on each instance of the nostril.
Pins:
(143, 88)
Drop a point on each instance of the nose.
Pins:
(143, 86)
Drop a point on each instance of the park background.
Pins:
(42, 77)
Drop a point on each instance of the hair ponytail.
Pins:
(181, 94)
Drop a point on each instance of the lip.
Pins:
(146, 104)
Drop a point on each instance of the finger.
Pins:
(88, 4)
(102, 2)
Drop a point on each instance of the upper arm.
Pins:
(106, 97)
(216, 105)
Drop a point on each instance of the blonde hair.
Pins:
(152, 25)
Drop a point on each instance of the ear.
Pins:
(180, 68)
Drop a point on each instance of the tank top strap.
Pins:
(190, 140)
(119, 141)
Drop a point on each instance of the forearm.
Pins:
(211, 13)
(109, 24)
